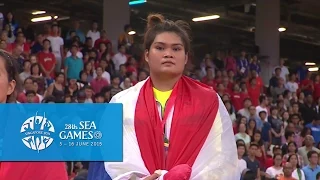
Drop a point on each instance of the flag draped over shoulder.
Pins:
(200, 135)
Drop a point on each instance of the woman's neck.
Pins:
(164, 83)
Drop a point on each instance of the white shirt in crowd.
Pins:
(273, 172)
(259, 109)
(118, 60)
(292, 86)
(79, 54)
(242, 165)
(245, 137)
(56, 43)
(94, 35)
(295, 175)
(24, 75)
(105, 75)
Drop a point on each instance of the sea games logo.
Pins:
(37, 130)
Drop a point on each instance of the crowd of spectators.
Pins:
(276, 127)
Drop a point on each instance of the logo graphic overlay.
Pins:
(37, 130)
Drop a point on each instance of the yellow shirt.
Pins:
(162, 97)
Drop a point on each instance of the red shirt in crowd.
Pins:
(308, 83)
(22, 98)
(208, 82)
(98, 84)
(98, 41)
(48, 61)
(25, 46)
(236, 99)
(316, 92)
(254, 93)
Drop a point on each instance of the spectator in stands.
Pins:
(308, 110)
(292, 85)
(36, 75)
(293, 149)
(284, 70)
(252, 163)
(230, 62)
(315, 129)
(47, 61)
(313, 168)
(297, 171)
(309, 146)
(287, 172)
(276, 170)
(242, 164)
(103, 39)
(307, 84)
(57, 89)
(93, 33)
(120, 57)
(38, 45)
(99, 82)
(264, 102)
(125, 38)
(115, 86)
(56, 46)
(242, 64)
(26, 70)
(274, 79)
(76, 28)
(254, 91)
(73, 65)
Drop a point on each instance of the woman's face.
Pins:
(84, 77)
(127, 82)
(7, 87)
(285, 115)
(60, 78)
(257, 137)
(33, 59)
(4, 36)
(166, 55)
(103, 47)
(35, 70)
(89, 67)
(252, 124)
(243, 120)
(294, 161)
(291, 147)
(277, 160)
(242, 128)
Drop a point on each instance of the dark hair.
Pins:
(98, 95)
(30, 92)
(49, 99)
(287, 134)
(25, 62)
(295, 144)
(11, 67)
(34, 65)
(262, 98)
(157, 24)
(254, 144)
(249, 175)
(304, 131)
(310, 153)
(289, 158)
